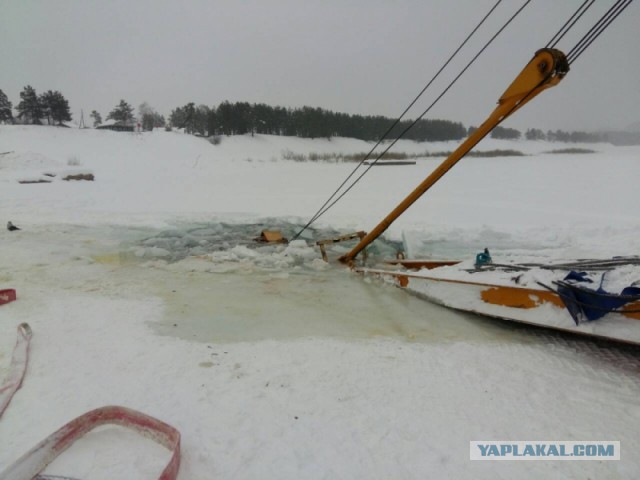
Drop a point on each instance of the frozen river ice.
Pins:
(242, 340)
(217, 285)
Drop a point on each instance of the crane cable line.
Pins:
(582, 9)
(560, 67)
(595, 31)
(566, 27)
(601, 25)
(324, 209)
(397, 121)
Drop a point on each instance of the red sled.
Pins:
(7, 295)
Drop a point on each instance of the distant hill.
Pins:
(629, 137)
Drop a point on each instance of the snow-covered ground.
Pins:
(143, 289)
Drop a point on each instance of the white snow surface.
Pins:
(271, 363)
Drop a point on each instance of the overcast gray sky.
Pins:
(355, 56)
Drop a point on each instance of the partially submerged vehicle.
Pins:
(580, 297)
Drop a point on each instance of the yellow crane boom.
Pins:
(545, 70)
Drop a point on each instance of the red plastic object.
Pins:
(18, 367)
(36, 460)
(7, 295)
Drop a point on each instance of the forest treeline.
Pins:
(241, 118)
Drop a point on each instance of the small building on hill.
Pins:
(117, 126)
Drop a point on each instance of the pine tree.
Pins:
(29, 108)
(505, 133)
(201, 115)
(177, 118)
(97, 119)
(158, 120)
(184, 117)
(55, 107)
(46, 99)
(5, 109)
(224, 114)
(60, 108)
(123, 112)
(212, 125)
(534, 134)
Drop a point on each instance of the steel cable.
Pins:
(397, 121)
(584, 43)
(323, 211)
(569, 23)
(595, 31)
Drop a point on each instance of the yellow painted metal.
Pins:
(519, 297)
(545, 70)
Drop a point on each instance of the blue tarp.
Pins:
(589, 304)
